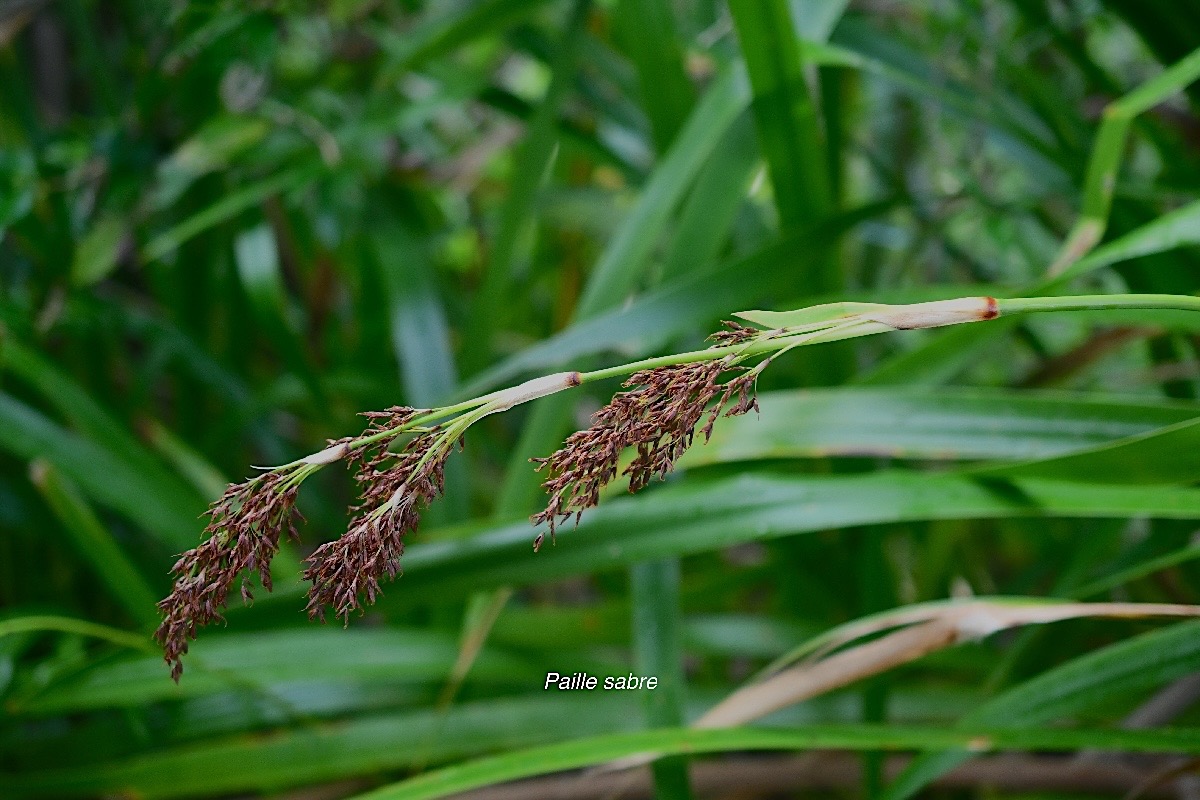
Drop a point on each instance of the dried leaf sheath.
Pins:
(243, 533)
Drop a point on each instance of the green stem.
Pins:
(765, 345)
(846, 327)
(1097, 302)
(417, 422)
(80, 627)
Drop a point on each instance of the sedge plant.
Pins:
(399, 459)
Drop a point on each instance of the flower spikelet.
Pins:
(395, 487)
(244, 529)
(734, 333)
(657, 416)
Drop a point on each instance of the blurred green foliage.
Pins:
(226, 228)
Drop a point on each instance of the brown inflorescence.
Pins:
(658, 417)
(734, 333)
(396, 486)
(243, 533)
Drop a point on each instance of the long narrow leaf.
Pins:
(1120, 670)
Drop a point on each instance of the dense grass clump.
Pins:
(228, 230)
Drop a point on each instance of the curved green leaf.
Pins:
(697, 516)
(263, 660)
(951, 423)
(1166, 455)
(1118, 671)
(597, 750)
(162, 507)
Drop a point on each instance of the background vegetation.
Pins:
(226, 228)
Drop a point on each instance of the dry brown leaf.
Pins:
(921, 631)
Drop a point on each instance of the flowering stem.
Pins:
(865, 319)
(670, 400)
(765, 345)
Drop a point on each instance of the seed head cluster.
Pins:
(658, 417)
(243, 533)
(395, 488)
